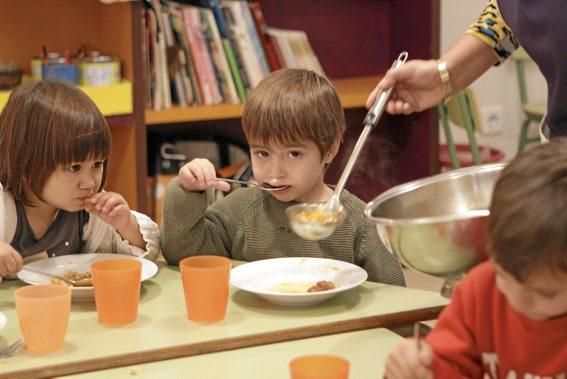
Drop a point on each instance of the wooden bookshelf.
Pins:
(353, 93)
(355, 42)
(176, 115)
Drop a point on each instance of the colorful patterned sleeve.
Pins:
(491, 29)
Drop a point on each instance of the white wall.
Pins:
(499, 86)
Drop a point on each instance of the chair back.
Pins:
(533, 112)
(463, 111)
(521, 57)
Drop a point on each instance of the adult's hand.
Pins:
(416, 87)
(417, 84)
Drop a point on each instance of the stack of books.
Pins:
(207, 52)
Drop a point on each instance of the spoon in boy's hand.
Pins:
(248, 184)
(315, 221)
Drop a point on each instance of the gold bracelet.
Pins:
(445, 81)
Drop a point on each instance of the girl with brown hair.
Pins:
(54, 148)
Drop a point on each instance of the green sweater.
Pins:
(250, 224)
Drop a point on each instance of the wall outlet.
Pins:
(492, 120)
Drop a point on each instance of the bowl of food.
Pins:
(437, 225)
(77, 268)
(297, 281)
(314, 221)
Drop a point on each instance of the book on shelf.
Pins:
(178, 90)
(219, 59)
(163, 86)
(202, 62)
(181, 36)
(295, 49)
(254, 37)
(154, 50)
(235, 70)
(272, 55)
(206, 52)
(236, 21)
(233, 59)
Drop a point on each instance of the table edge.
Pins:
(233, 343)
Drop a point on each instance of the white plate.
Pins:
(2, 320)
(265, 277)
(79, 263)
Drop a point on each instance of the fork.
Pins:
(417, 335)
(75, 283)
(11, 349)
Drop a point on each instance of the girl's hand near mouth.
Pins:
(113, 209)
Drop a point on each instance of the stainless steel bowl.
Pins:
(437, 225)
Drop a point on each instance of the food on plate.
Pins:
(81, 279)
(323, 285)
(292, 287)
(304, 287)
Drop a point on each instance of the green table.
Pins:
(366, 351)
(162, 330)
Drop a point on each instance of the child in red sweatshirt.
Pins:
(508, 318)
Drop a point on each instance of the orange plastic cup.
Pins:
(205, 284)
(319, 367)
(117, 285)
(43, 313)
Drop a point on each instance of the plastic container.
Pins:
(43, 312)
(205, 285)
(116, 284)
(487, 155)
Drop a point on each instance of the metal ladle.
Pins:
(316, 221)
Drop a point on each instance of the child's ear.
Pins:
(332, 151)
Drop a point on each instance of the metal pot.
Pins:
(437, 225)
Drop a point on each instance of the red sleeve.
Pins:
(452, 339)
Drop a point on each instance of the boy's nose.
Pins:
(525, 300)
(276, 170)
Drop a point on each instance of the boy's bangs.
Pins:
(291, 129)
(265, 135)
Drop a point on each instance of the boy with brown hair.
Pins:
(294, 123)
(508, 318)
